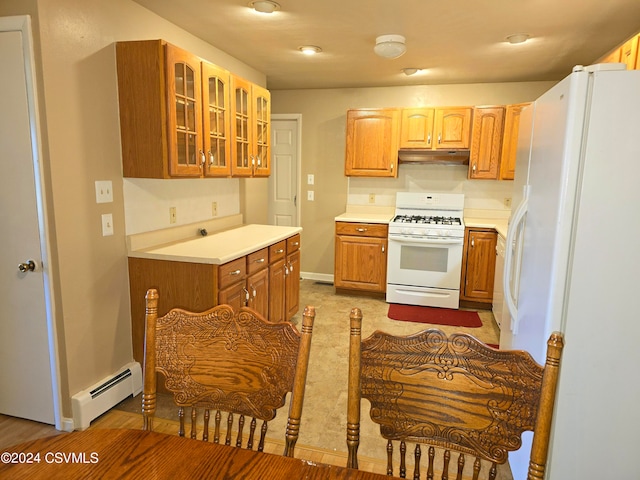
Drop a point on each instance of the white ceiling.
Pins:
(454, 41)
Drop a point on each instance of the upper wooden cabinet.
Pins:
(484, 159)
(251, 129)
(176, 114)
(510, 140)
(372, 142)
(436, 128)
(627, 53)
(217, 131)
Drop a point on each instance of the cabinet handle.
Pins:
(295, 244)
(280, 250)
(382, 248)
(259, 162)
(473, 242)
(290, 267)
(253, 160)
(211, 158)
(361, 229)
(286, 269)
(235, 272)
(259, 260)
(439, 138)
(474, 168)
(203, 159)
(429, 139)
(253, 291)
(246, 296)
(391, 166)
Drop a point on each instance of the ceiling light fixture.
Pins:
(390, 46)
(410, 71)
(264, 6)
(309, 49)
(516, 38)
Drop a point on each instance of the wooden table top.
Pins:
(138, 454)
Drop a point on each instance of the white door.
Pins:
(283, 182)
(27, 355)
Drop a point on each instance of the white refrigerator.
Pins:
(573, 264)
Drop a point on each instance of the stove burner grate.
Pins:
(427, 220)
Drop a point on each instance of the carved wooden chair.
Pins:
(225, 361)
(453, 393)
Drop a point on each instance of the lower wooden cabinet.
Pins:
(478, 265)
(361, 256)
(267, 280)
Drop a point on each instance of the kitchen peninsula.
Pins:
(242, 265)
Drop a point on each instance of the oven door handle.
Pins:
(428, 241)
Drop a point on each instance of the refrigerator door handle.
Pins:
(516, 221)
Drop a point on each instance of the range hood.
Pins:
(439, 157)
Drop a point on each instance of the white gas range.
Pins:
(426, 237)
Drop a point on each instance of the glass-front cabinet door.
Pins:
(215, 98)
(241, 134)
(184, 111)
(262, 131)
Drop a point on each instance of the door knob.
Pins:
(29, 266)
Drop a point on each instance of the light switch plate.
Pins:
(107, 224)
(310, 179)
(104, 191)
(310, 195)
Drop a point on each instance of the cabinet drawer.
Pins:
(293, 243)
(277, 251)
(257, 260)
(232, 272)
(362, 229)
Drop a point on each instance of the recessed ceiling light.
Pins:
(518, 38)
(264, 6)
(410, 71)
(309, 49)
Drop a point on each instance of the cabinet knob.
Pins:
(259, 260)
(361, 229)
(235, 272)
(280, 250)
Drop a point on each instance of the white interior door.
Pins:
(285, 167)
(27, 348)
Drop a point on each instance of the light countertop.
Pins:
(221, 247)
(497, 220)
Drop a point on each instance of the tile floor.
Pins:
(323, 422)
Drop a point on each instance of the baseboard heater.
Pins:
(106, 394)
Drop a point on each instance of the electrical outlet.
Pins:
(172, 215)
(372, 198)
(310, 195)
(214, 209)
(104, 191)
(507, 202)
(107, 224)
